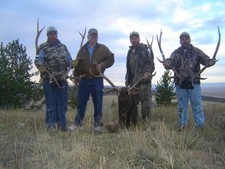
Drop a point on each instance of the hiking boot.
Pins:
(51, 128)
(98, 129)
(75, 127)
(63, 129)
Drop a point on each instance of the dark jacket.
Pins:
(139, 62)
(186, 61)
(101, 55)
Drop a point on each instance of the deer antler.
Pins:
(51, 77)
(107, 79)
(37, 36)
(163, 56)
(83, 36)
(213, 58)
(150, 46)
(134, 86)
(81, 44)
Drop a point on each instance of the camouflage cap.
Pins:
(134, 34)
(185, 34)
(51, 29)
(93, 30)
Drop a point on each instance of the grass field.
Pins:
(25, 143)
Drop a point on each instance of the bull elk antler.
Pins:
(159, 39)
(213, 58)
(107, 79)
(51, 77)
(81, 44)
(199, 73)
(150, 46)
(134, 86)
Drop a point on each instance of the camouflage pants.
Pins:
(145, 97)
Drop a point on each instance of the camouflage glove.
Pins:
(42, 68)
(211, 63)
(74, 63)
(167, 64)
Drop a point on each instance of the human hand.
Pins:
(42, 68)
(99, 67)
(211, 62)
(166, 64)
(74, 63)
(146, 75)
(77, 82)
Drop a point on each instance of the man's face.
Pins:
(93, 38)
(185, 41)
(134, 40)
(52, 36)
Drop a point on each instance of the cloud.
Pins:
(114, 21)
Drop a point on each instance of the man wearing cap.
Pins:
(93, 58)
(186, 61)
(139, 64)
(54, 57)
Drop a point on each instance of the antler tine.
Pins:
(38, 35)
(217, 46)
(159, 44)
(150, 46)
(83, 36)
(81, 44)
(213, 58)
(107, 79)
(134, 85)
(163, 56)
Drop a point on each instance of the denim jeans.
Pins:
(56, 103)
(194, 95)
(93, 86)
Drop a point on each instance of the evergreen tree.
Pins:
(16, 87)
(165, 89)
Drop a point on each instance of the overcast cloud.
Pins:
(114, 21)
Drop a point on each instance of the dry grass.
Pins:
(25, 144)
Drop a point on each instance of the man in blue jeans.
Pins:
(92, 58)
(186, 62)
(52, 60)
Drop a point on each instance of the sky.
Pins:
(115, 20)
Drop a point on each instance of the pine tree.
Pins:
(165, 89)
(16, 87)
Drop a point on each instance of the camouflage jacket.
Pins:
(139, 61)
(186, 61)
(55, 57)
(101, 55)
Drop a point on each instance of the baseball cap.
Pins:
(134, 34)
(92, 30)
(51, 29)
(184, 34)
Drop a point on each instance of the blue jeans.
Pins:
(194, 95)
(56, 103)
(93, 86)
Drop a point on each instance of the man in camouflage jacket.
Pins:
(186, 62)
(139, 64)
(54, 59)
